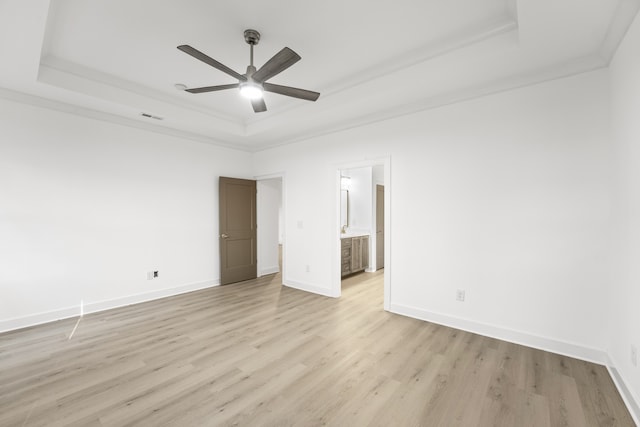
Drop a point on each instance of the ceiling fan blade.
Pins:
(277, 64)
(208, 60)
(291, 91)
(258, 105)
(212, 88)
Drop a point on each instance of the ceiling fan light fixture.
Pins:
(253, 83)
(251, 90)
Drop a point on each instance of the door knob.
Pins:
(224, 236)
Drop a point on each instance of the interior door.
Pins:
(238, 253)
(379, 227)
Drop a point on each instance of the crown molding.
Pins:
(620, 24)
(36, 101)
(51, 65)
(560, 71)
(428, 52)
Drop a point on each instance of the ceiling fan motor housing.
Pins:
(252, 37)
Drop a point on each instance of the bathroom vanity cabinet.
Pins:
(355, 254)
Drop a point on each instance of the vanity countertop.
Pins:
(350, 235)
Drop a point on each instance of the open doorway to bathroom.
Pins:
(363, 232)
(270, 212)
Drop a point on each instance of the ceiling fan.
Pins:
(254, 81)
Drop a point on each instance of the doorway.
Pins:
(379, 221)
(270, 221)
(363, 224)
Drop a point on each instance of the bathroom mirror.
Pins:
(344, 209)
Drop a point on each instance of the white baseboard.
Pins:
(308, 288)
(548, 344)
(630, 400)
(268, 270)
(38, 319)
(148, 296)
(93, 307)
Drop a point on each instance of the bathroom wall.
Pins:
(360, 202)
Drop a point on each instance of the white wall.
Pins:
(506, 196)
(624, 291)
(378, 175)
(87, 208)
(269, 202)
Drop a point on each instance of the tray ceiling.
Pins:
(370, 60)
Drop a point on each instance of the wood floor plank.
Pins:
(259, 353)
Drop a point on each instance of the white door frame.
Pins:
(336, 286)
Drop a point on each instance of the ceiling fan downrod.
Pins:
(252, 37)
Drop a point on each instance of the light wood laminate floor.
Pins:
(260, 354)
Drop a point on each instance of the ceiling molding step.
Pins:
(622, 20)
(428, 52)
(22, 31)
(36, 101)
(50, 64)
(565, 70)
(512, 9)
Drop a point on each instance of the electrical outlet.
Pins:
(460, 294)
(308, 268)
(634, 355)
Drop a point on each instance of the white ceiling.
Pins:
(369, 59)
